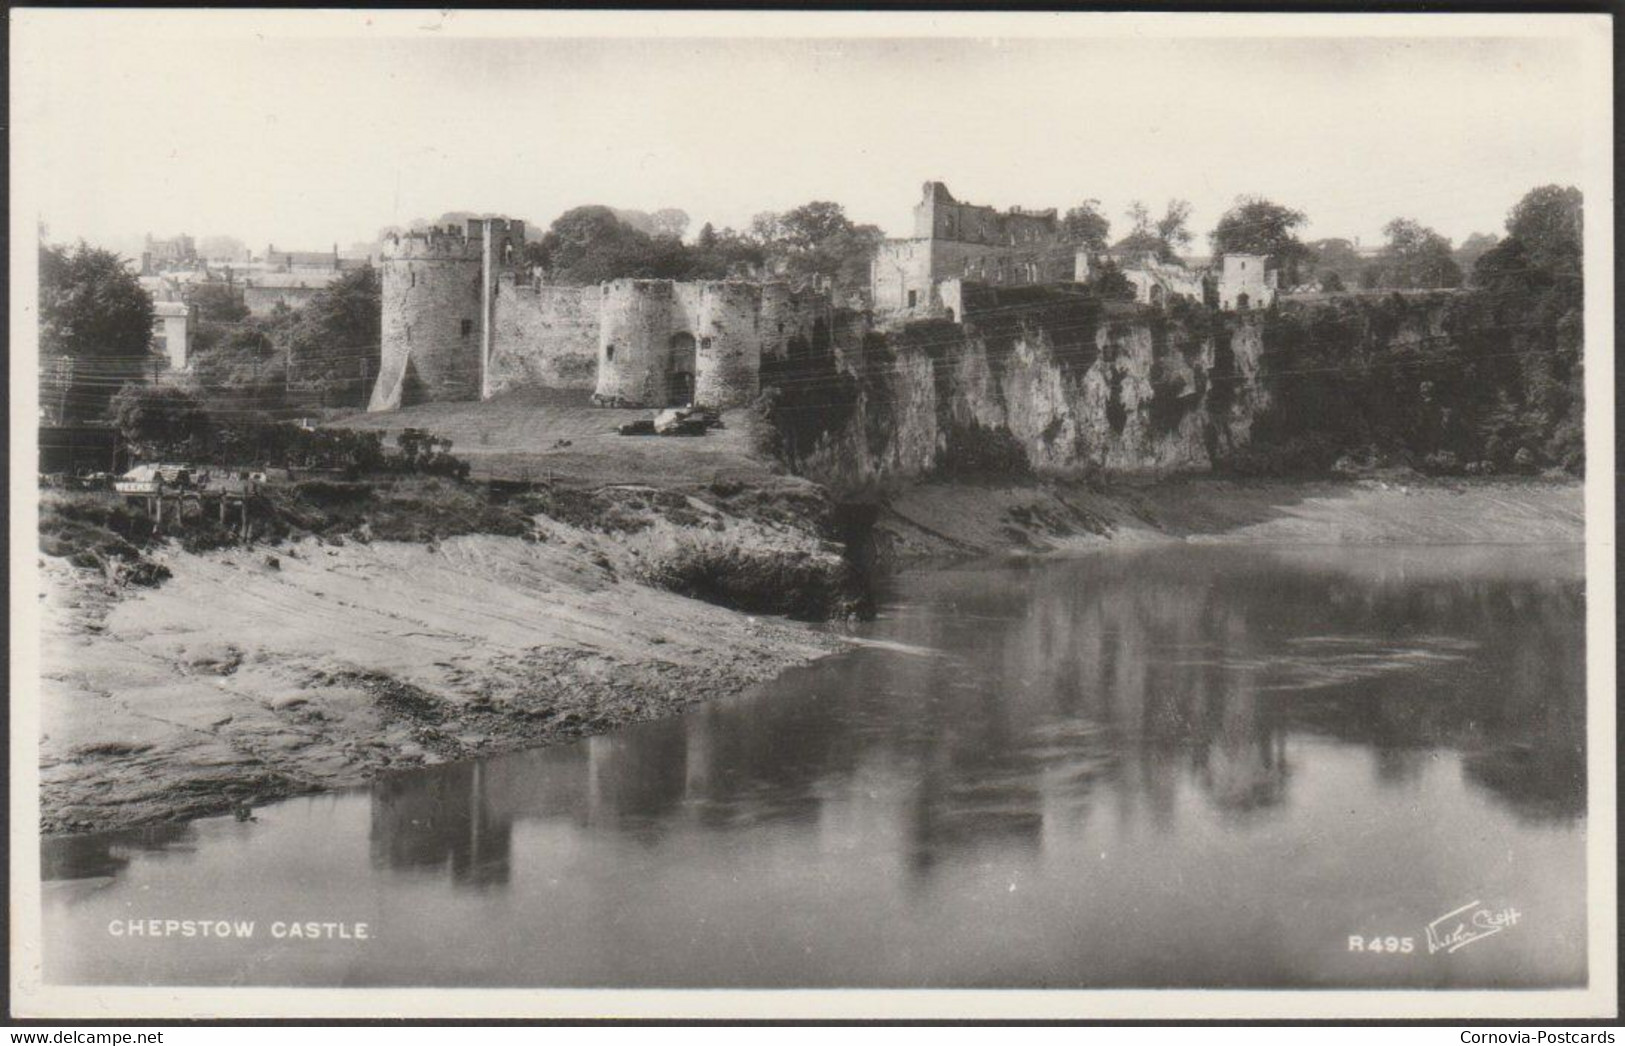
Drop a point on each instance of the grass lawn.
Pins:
(522, 436)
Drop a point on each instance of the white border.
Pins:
(32, 998)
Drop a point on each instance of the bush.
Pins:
(162, 420)
(804, 585)
(975, 452)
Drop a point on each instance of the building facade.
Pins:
(1246, 281)
(955, 240)
(164, 255)
(172, 331)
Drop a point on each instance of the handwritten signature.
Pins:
(1455, 930)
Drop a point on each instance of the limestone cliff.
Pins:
(1052, 384)
(1054, 381)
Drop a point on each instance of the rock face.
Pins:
(1054, 381)
(1057, 386)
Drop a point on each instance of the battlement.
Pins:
(450, 243)
(458, 242)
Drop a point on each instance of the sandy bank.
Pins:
(257, 673)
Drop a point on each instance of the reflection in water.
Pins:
(1179, 668)
(1124, 770)
(441, 821)
(107, 854)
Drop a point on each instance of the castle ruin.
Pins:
(954, 240)
(464, 318)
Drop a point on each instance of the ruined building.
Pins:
(465, 318)
(954, 240)
(956, 243)
(1247, 282)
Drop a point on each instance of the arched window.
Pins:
(609, 353)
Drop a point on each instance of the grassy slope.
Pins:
(519, 435)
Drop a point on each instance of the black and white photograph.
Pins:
(780, 514)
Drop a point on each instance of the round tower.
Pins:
(634, 338)
(728, 356)
(433, 302)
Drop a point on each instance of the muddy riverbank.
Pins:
(255, 673)
(251, 674)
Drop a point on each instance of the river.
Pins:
(1183, 766)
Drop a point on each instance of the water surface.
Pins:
(1188, 766)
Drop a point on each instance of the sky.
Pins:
(276, 127)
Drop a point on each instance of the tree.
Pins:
(1160, 236)
(591, 244)
(1331, 283)
(1473, 248)
(335, 337)
(718, 254)
(218, 303)
(1085, 226)
(812, 224)
(1335, 257)
(161, 420)
(244, 367)
(817, 240)
(1549, 222)
(670, 222)
(1173, 227)
(1255, 225)
(96, 318)
(1416, 257)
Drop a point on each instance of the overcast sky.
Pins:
(273, 131)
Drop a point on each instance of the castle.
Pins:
(464, 318)
(955, 242)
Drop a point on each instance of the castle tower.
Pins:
(438, 296)
(728, 360)
(635, 335)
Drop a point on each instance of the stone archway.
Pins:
(1242, 301)
(680, 370)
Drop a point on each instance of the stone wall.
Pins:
(905, 276)
(648, 327)
(1246, 282)
(545, 336)
(432, 302)
(939, 216)
(899, 269)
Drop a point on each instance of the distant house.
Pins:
(173, 328)
(163, 255)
